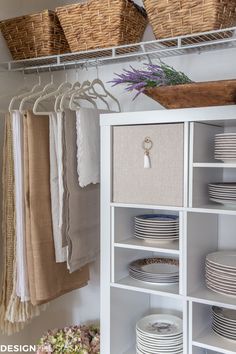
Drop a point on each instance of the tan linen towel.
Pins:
(8, 230)
(2, 129)
(47, 278)
(83, 205)
(14, 314)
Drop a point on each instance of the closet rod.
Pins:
(189, 44)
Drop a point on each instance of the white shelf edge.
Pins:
(146, 206)
(210, 209)
(145, 290)
(209, 340)
(213, 165)
(147, 248)
(205, 296)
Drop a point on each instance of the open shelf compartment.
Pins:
(127, 310)
(202, 334)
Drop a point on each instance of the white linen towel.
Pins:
(22, 283)
(88, 145)
(57, 185)
(83, 206)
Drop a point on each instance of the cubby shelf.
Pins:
(214, 209)
(210, 340)
(135, 285)
(146, 206)
(206, 296)
(135, 243)
(213, 165)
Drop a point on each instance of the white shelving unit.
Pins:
(204, 227)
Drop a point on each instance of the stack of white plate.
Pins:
(155, 270)
(221, 272)
(224, 193)
(159, 334)
(225, 147)
(157, 227)
(224, 322)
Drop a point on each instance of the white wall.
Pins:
(83, 305)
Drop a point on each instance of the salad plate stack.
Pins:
(155, 270)
(223, 193)
(224, 322)
(225, 147)
(221, 272)
(158, 334)
(157, 227)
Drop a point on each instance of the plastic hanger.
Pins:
(27, 103)
(88, 88)
(14, 104)
(64, 87)
(107, 93)
(60, 104)
(80, 94)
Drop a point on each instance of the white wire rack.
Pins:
(197, 43)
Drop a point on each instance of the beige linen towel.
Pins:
(83, 205)
(2, 125)
(13, 313)
(47, 278)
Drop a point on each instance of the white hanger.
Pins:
(107, 93)
(80, 94)
(64, 87)
(60, 104)
(32, 97)
(13, 104)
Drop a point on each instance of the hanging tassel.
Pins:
(147, 146)
(147, 160)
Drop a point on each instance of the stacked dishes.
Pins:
(155, 270)
(224, 322)
(221, 272)
(157, 227)
(159, 334)
(225, 147)
(224, 193)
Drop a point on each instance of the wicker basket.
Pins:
(181, 17)
(100, 24)
(33, 36)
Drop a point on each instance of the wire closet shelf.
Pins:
(157, 49)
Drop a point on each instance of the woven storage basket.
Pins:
(100, 24)
(35, 35)
(172, 18)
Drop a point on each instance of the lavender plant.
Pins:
(154, 76)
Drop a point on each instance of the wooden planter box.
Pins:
(202, 94)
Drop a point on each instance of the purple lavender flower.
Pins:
(154, 76)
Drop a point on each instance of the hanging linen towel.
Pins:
(14, 314)
(2, 125)
(22, 286)
(88, 145)
(63, 193)
(57, 186)
(83, 206)
(47, 278)
(8, 230)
